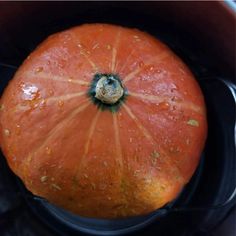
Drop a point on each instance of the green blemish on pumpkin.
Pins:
(113, 80)
(193, 122)
(155, 154)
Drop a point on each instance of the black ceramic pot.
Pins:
(203, 35)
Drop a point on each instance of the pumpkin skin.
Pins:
(103, 160)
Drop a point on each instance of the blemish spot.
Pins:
(193, 122)
(38, 70)
(18, 130)
(7, 132)
(135, 156)
(48, 150)
(176, 99)
(175, 150)
(147, 180)
(173, 88)
(155, 154)
(1, 107)
(95, 46)
(29, 159)
(105, 164)
(60, 103)
(43, 178)
(177, 177)
(163, 105)
(163, 187)
(108, 46)
(136, 37)
(141, 64)
(42, 104)
(31, 92)
(93, 186)
(55, 186)
(51, 92)
(187, 141)
(85, 176)
(136, 172)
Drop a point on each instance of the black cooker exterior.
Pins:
(203, 35)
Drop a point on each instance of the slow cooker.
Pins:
(203, 35)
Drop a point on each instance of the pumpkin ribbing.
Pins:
(118, 154)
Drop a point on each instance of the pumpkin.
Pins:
(103, 121)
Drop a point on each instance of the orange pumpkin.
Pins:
(103, 121)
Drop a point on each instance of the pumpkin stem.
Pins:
(108, 89)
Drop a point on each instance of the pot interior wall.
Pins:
(205, 29)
